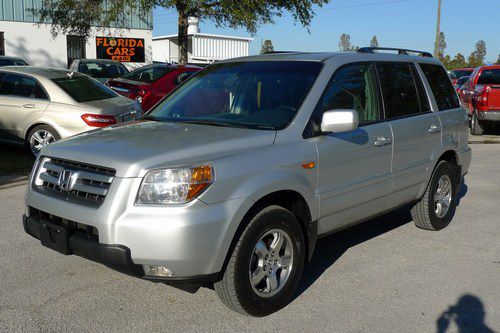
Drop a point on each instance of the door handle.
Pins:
(434, 129)
(29, 106)
(382, 141)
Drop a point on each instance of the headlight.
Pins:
(175, 185)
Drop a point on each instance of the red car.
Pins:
(458, 73)
(149, 84)
(482, 98)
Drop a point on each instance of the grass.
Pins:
(15, 160)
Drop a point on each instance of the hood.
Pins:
(115, 106)
(134, 147)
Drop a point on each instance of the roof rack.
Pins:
(400, 51)
(275, 52)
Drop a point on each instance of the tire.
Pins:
(44, 132)
(476, 127)
(426, 213)
(236, 289)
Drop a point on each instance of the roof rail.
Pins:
(400, 51)
(275, 52)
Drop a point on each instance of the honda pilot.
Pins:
(230, 180)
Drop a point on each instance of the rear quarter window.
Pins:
(442, 89)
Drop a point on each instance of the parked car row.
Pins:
(41, 105)
(479, 91)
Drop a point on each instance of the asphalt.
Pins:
(384, 275)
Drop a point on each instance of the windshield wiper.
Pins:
(210, 123)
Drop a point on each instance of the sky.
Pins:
(396, 23)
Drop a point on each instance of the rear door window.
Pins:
(21, 86)
(444, 94)
(399, 90)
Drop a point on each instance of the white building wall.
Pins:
(35, 43)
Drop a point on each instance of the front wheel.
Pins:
(265, 267)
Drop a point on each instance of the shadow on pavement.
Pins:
(15, 161)
(468, 315)
(330, 248)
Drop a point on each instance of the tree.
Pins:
(78, 17)
(476, 58)
(374, 42)
(441, 45)
(267, 46)
(458, 62)
(345, 43)
(498, 60)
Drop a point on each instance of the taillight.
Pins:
(483, 97)
(139, 95)
(98, 120)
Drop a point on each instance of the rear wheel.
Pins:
(39, 137)
(437, 207)
(266, 265)
(476, 127)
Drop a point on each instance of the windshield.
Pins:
(256, 94)
(149, 74)
(102, 70)
(457, 73)
(489, 76)
(84, 89)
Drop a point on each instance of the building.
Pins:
(22, 36)
(202, 48)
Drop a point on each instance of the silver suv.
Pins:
(229, 181)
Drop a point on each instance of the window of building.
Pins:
(2, 43)
(398, 89)
(445, 95)
(75, 48)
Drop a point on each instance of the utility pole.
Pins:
(438, 30)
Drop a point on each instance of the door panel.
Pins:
(353, 174)
(417, 143)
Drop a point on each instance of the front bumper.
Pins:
(190, 240)
(489, 115)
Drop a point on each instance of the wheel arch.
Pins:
(35, 124)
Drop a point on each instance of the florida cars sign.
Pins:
(120, 49)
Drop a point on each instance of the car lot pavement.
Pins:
(382, 276)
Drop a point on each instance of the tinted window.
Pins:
(22, 86)
(352, 87)
(255, 94)
(149, 74)
(457, 73)
(83, 89)
(462, 80)
(489, 76)
(398, 89)
(12, 62)
(444, 94)
(102, 70)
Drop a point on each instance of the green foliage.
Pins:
(374, 41)
(498, 60)
(345, 43)
(441, 46)
(267, 47)
(457, 62)
(476, 58)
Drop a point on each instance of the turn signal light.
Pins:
(98, 120)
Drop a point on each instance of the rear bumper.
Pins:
(489, 115)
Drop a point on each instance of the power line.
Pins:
(365, 5)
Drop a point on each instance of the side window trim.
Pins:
(379, 98)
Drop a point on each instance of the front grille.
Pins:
(84, 183)
(90, 232)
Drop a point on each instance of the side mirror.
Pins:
(341, 120)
